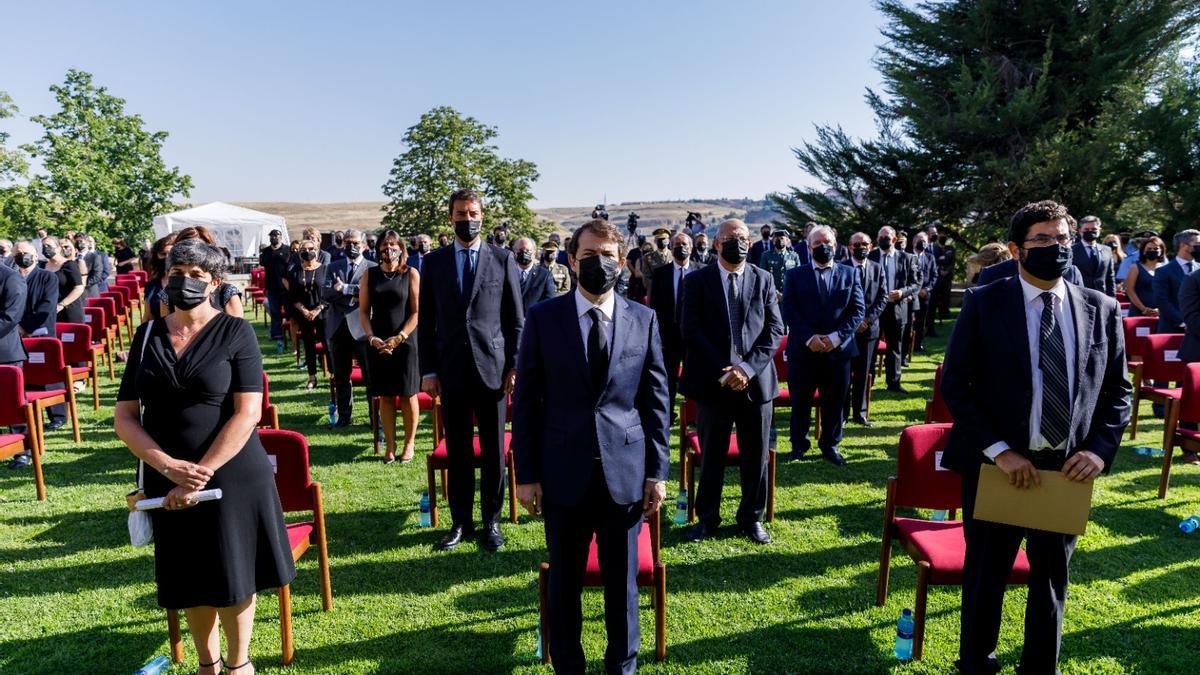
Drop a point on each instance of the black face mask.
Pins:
(467, 230)
(275, 242)
(681, 253)
(734, 251)
(353, 251)
(859, 254)
(524, 256)
(185, 292)
(499, 239)
(766, 234)
(885, 243)
(423, 248)
(1046, 262)
(598, 274)
(1152, 255)
(1089, 235)
(822, 254)
(24, 260)
(548, 257)
(778, 244)
(661, 244)
(48, 251)
(919, 246)
(1112, 245)
(337, 241)
(308, 255)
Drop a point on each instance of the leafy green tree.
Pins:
(1171, 128)
(987, 105)
(446, 151)
(104, 170)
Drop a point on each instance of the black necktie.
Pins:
(468, 275)
(679, 296)
(822, 285)
(734, 298)
(1052, 360)
(597, 353)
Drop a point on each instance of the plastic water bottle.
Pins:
(681, 508)
(279, 346)
(154, 666)
(539, 642)
(904, 635)
(940, 514)
(423, 507)
(1190, 524)
(332, 412)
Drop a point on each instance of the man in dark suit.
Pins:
(762, 245)
(822, 307)
(337, 249)
(1169, 278)
(1093, 259)
(866, 334)
(12, 311)
(1060, 404)
(344, 336)
(471, 317)
(41, 294)
(901, 280)
(274, 261)
(923, 301)
(731, 330)
(536, 282)
(666, 300)
(590, 434)
(422, 249)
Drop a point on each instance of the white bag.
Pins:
(141, 532)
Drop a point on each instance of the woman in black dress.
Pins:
(305, 305)
(1139, 283)
(199, 383)
(71, 285)
(388, 311)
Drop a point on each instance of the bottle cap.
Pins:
(906, 612)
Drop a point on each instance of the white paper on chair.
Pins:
(937, 461)
(37, 357)
(1125, 313)
(1142, 331)
(87, 318)
(68, 337)
(1171, 355)
(274, 463)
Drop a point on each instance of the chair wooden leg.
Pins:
(108, 356)
(39, 413)
(322, 554)
(771, 487)
(1133, 417)
(544, 610)
(174, 637)
(691, 490)
(72, 410)
(512, 490)
(38, 480)
(446, 485)
(1169, 425)
(95, 385)
(660, 612)
(431, 486)
(919, 610)
(885, 568)
(285, 623)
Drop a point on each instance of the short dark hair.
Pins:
(463, 195)
(601, 228)
(196, 252)
(1033, 213)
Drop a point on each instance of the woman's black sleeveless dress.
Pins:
(216, 553)
(394, 375)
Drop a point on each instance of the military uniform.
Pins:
(655, 258)
(558, 272)
(777, 262)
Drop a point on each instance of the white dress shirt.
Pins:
(1185, 264)
(583, 306)
(1064, 317)
(739, 273)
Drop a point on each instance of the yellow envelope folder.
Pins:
(1057, 505)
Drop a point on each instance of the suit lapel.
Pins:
(1015, 323)
(570, 325)
(482, 266)
(1084, 318)
(620, 317)
(719, 289)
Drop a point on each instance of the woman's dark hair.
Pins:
(158, 267)
(383, 239)
(202, 255)
(1162, 247)
(1033, 213)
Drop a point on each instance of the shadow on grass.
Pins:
(786, 647)
(120, 648)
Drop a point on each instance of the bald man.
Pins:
(537, 284)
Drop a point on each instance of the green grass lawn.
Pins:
(75, 597)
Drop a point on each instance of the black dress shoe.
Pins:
(862, 419)
(834, 457)
(904, 362)
(794, 456)
(20, 461)
(490, 538)
(453, 538)
(342, 423)
(56, 424)
(897, 388)
(757, 533)
(696, 532)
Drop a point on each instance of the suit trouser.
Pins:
(860, 373)
(343, 348)
(893, 334)
(672, 359)
(307, 332)
(275, 302)
(715, 420)
(941, 297)
(920, 326)
(465, 404)
(569, 531)
(831, 378)
(991, 550)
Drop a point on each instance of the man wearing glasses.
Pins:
(1168, 279)
(1008, 268)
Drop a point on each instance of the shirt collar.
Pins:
(725, 273)
(1032, 292)
(684, 266)
(583, 305)
(1181, 262)
(459, 248)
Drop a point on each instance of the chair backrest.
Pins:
(108, 305)
(94, 317)
(76, 340)
(44, 363)
(920, 484)
(118, 300)
(938, 411)
(1189, 399)
(781, 364)
(142, 276)
(1160, 360)
(266, 392)
(124, 291)
(288, 452)
(1136, 328)
(12, 395)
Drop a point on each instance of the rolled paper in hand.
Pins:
(157, 502)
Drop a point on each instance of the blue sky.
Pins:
(307, 101)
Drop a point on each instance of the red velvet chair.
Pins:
(128, 299)
(1136, 328)
(1161, 364)
(135, 294)
(935, 409)
(288, 452)
(439, 461)
(14, 410)
(123, 312)
(1185, 408)
(692, 458)
(94, 318)
(77, 346)
(45, 366)
(111, 318)
(270, 413)
(651, 573)
(937, 547)
(784, 399)
(142, 277)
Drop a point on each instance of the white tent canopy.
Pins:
(238, 229)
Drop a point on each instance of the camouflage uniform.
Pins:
(778, 263)
(559, 272)
(650, 262)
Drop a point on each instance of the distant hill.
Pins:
(668, 214)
